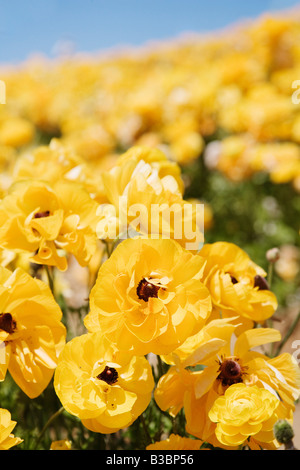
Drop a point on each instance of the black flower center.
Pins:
(40, 215)
(230, 371)
(108, 375)
(145, 290)
(7, 323)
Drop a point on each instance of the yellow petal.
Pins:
(253, 338)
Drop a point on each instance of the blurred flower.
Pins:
(102, 386)
(176, 442)
(288, 264)
(7, 440)
(208, 221)
(231, 156)
(237, 285)
(48, 221)
(148, 296)
(245, 416)
(31, 332)
(16, 132)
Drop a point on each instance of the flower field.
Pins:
(149, 245)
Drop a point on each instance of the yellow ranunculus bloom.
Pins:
(63, 444)
(245, 415)
(7, 440)
(223, 365)
(55, 162)
(148, 296)
(49, 222)
(154, 157)
(31, 332)
(102, 386)
(237, 285)
(202, 348)
(175, 442)
(144, 196)
(16, 132)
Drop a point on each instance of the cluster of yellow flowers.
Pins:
(157, 292)
(176, 95)
(151, 297)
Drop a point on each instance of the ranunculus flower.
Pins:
(63, 444)
(143, 198)
(54, 162)
(49, 221)
(176, 442)
(154, 157)
(7, 439)
(31, 332)
(237, 285)
(212, 361)
(244, 414)
(148, 296)
(102, 386)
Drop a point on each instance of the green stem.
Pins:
(50, 420)
(160, 367)
(288, 334)
(50, 277)
(270, 274)
(146, 431)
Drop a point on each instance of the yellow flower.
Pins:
(154, 157)
(187, 147)
(175, 442)
(148, 296)
(144, 196)
(55, 162)
(16, 132)
(232, 156)
(245, 415)
(31, 332)
(288, 264)
(49, 221)
(63, 444)
(208, 216)
(201, 348)
(237, 285)
(206, 365)
(7, 440)
(48, 163)
(102, 386)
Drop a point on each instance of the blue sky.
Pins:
(32, 26)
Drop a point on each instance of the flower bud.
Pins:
(283, 431)
(272, 255)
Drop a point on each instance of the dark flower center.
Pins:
(261, 283)
(230, 371)
(7, 323)
(39, 215)
(108, 375)
(145, 290)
